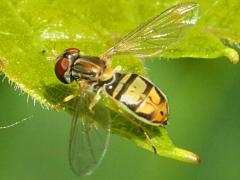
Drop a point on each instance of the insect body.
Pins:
(133, 92)
(140, 96)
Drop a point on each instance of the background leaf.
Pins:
(33, 33)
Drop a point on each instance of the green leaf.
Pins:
(33, 33)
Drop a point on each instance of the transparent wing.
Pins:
(158, 33)
(88, 143)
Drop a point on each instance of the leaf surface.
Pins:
(34, 32)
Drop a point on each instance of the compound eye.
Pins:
(73, 51)
(61, 67)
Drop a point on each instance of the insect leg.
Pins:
(146, 135)
(140, 127)
(66, 99)
(95, 100)
(148, 139)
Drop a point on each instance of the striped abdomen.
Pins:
(140, 96)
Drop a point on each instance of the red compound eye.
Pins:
(60, 68)
(73, 51)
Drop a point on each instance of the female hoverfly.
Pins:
(135, 93)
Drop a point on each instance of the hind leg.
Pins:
(145, 133)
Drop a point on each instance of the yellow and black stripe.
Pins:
(140, 96)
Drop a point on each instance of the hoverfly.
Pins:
(135, 93)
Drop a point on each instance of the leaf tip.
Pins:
(232, 55)
(186, 156)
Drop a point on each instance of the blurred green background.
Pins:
(204, 117)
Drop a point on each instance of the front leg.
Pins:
(83, 86)
(66, 99)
